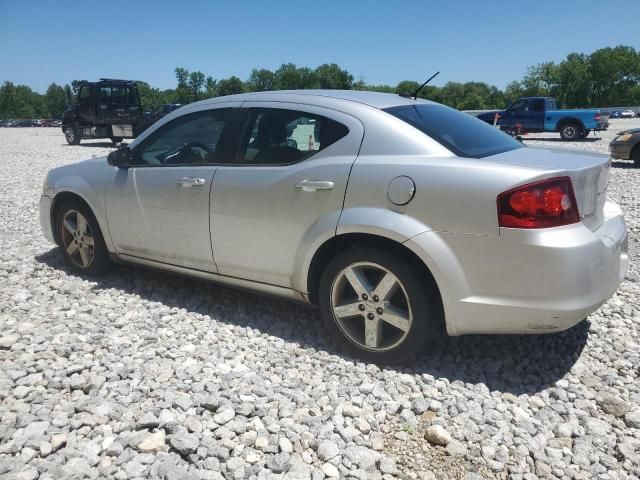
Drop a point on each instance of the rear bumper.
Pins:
(621, 150)
(534, 281)
(45, 217)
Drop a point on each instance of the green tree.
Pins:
(331, 76)
(230, 86)
(210, 87)
(615, 73)
(261, 80)
(407, 87)
(289, 77)
(56, 100)
(196, 84)
(574, 82)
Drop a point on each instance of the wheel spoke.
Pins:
(348, 310)
(84, 255)
(88, 240)
(396, 317)
(373, 333)
(82, 223)
(386, 287)
(72, 248)
(68, 225)
(357, 281)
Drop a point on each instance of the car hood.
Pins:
(631, 130)
(93, 165)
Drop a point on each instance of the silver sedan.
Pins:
(400, 218)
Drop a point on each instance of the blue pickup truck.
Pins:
(541, 114)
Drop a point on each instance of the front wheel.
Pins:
(570, 131)
(72, 134)
(635, 155)
(376, 306)
(81, 239)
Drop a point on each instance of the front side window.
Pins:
(189, 140)
(462, 134)
(277, 136)
(520, 106)
(85, 93)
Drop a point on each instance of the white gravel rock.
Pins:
(140, 373)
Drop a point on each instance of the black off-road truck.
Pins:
(105, 109)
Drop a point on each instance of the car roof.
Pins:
(373, 99)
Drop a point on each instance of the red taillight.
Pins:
(548, 203)
(597, 117)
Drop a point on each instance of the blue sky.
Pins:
(383, 42)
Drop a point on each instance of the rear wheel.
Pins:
(570, 131)
(81, 239)
(72, 134)
(376, 306)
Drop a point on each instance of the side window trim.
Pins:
(223, 142)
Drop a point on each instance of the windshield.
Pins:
(464, 135)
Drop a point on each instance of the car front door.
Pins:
(285, 189)
(515, 116)
(158, 209)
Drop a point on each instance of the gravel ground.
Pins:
(141, 374)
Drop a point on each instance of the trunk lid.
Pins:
(589, 173)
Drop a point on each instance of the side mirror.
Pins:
(120, 158)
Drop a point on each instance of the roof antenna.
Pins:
(414, 96)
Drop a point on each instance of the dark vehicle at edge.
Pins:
(108, 108)
(626, 146)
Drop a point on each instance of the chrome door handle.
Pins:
(191, 182)
(313, 185)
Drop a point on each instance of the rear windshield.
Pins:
(464, 135)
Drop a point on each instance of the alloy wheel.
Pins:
(70, 134)
(570, 131)
(77, 238)
(371, 306)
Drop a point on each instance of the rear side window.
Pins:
(464, 135)
(279, 137)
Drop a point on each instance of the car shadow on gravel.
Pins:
(554, 139)
(507, 363)
(93, 144)
(623, 164)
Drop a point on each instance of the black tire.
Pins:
(72, 134)
(635, 155)
(100, 261)
(116, 140)
(570, 131)
(423, 303)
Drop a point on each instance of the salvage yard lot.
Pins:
(143, 374)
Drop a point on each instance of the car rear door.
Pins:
(158, 209)
(285, 190)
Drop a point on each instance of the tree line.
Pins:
(607, 77)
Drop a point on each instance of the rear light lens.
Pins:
(544, 204)
(597, 117)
